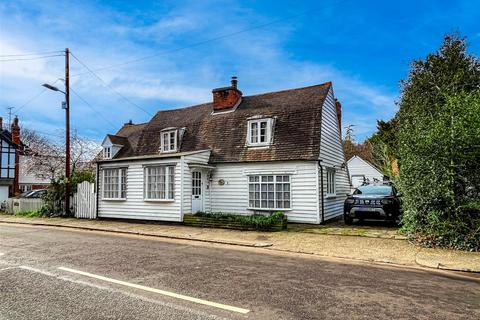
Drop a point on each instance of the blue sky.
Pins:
(363, 47)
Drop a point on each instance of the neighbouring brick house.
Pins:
(278, 151)
(13, 179)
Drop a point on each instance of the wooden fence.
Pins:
(84, 201)
(14, 206)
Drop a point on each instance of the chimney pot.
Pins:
(234, 82)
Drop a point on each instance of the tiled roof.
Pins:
(128, 137)
(117, 139)
(296, 134)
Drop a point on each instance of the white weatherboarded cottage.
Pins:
(278, 151)
(361, 170)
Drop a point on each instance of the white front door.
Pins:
(197, 191)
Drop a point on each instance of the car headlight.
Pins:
(350, 201)
(386, 201)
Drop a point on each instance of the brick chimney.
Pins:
(1, 123)
(227, 97)
(338, 108)
(15, 131)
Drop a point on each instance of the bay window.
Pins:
(114, 184)
(269, 192)
(159, 182)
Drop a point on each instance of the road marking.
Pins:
(162, 292)
(8, 268)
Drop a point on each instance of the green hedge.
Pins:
(275, 221)
(460, 230)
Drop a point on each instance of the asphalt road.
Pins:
(130, 277)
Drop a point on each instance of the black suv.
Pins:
(373, 201)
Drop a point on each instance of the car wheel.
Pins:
(393, 222)
(347, 219)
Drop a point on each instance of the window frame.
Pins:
(8, 157)
(275, 191)
(331, 182)
(268, 132)
(168, 133)
(169, 183)
(122, 185)
(107, 152)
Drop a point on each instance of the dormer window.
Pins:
(107, 152)
(259, 132)
(168, 141)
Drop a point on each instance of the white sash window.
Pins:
(159, 182)
(114, 184)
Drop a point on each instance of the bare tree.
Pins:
(45, 157)
(42, 156)
(83, 153)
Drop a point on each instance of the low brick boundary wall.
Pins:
(207, 222)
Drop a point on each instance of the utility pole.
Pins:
(67, 133)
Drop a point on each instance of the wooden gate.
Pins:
(85, 200)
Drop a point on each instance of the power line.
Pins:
(29, 54)
(31, 99)
(34, 97)
(109, 86)
(35, 58)
(91, 107)
(196, 44)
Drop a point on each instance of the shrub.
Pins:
(256, 221)
(55, 197)
(31, 214)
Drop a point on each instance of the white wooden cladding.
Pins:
(332, 156)
(84, 201)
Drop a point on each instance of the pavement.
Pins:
(64, 273)
(374, 243)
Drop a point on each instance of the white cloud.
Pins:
(157, 90)
(102, 38)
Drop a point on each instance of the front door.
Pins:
(197, 191)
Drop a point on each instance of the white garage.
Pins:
(361, 170)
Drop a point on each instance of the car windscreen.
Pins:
(374, 190)
(26, 193)
(36, 194)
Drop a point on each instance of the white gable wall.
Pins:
(114, 147)
(359, 168)
(332, 156)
